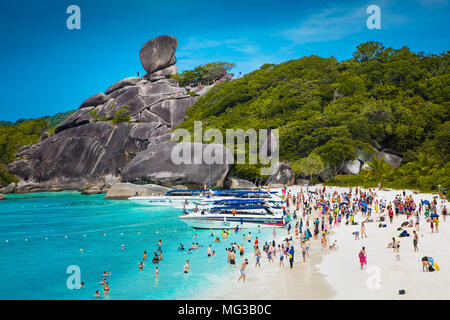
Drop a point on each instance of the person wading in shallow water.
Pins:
(243, 266)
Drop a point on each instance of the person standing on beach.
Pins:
(281, 252)
(291, 257)
(415, 241)
(417, 221)
(363, 230)
(363, 257)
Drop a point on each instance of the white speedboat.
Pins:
(173, 198)
(229, 217)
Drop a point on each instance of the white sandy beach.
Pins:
(336, 274)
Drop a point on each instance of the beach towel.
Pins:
(404, 234)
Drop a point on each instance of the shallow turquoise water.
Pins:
(36, 269)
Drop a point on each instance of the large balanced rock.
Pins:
(158, 53)
(162, 163)
(123, 191)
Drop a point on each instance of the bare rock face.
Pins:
(158, 53)
(157, 164)
(95, 100)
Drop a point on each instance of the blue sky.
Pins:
(47, 68)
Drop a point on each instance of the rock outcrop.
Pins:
(9, 188)
(110, 129)
(158, 164)
(236, 183)
(123, 191)
(283, 176)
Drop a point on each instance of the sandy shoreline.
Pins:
(336, 274)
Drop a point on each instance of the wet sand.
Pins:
(270, 281)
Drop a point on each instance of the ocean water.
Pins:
(41, 235)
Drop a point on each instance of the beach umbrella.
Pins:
(364, 204)
(434, 215)
(436, 197)
(426, 201)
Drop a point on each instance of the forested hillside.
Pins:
(381, 98)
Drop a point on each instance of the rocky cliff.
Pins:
(111, 128)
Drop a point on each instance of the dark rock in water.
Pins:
(158, 53)
(131, 81)
(156, 164)
(235, 183)
(2, 197)
(283, 176)
(93, 101)
(123, 191)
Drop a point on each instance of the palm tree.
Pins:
(379, 168)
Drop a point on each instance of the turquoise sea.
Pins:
(58, 225)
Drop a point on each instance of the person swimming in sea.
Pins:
(181, 247)
(155, 258)
(97, 294)
(141, 266)
(145, 256)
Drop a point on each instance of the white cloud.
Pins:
(329, 24)
(240, 44)
(431, 4)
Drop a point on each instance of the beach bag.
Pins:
(430, 268)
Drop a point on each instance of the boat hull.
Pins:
(232, 222)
